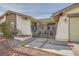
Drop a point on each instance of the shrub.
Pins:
(6, 29)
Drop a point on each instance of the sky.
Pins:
(36, 10)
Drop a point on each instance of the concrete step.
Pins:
(75, 49)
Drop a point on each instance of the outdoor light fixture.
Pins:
(65, 20)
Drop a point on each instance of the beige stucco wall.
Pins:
(24, 25)
(62, 33)
(62, 29)
(3, 19)
(74, 10)
(74, 29)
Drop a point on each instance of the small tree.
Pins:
(6, 29)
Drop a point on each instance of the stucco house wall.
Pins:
(18, 21)
(24, 25)
(74, 10)
(3, 19)
(63, 28)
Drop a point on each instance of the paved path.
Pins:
(15, 43)
(43, 44)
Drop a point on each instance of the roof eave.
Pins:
(62, 10)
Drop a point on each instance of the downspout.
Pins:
(31, 28)
(69, 29)
(15, 25)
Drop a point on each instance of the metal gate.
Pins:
(44, 31)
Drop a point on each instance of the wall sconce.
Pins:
(65, 20)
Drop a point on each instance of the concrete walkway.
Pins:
(42, 43)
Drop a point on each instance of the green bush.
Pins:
(6, 29)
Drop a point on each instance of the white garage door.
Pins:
(74, 29)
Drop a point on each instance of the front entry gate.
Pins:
(45, 31)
